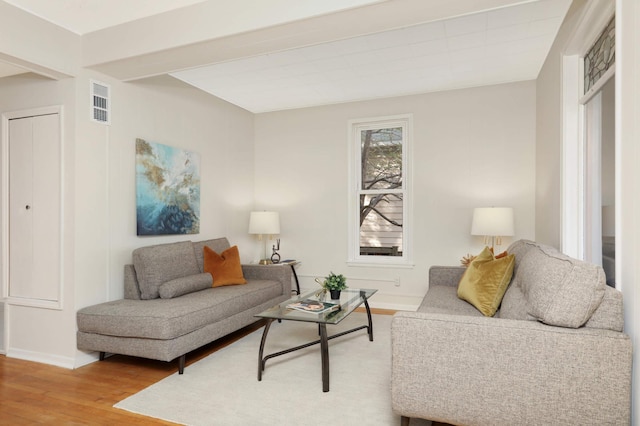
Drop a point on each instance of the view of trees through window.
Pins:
(381, 192)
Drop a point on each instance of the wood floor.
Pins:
(33, 393)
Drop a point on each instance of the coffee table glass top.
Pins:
(350, 299)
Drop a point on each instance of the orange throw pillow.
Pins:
(225, 268)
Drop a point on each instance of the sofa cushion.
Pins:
(216, 244)
(161, 263)
(514, 305)
(167, 319)
(224, 267)
(185, 285)
(442, 299)
(559, 290)
(609, 315)
(519, 249)
(485, 281)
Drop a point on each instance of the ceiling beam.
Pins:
(30, 42)
(127, 53)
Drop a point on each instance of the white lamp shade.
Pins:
(264, 223)
(493, 221)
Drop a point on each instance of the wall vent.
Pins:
(100, 102)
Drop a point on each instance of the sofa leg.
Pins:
(102, 355)
(181, 362)
(404, 421)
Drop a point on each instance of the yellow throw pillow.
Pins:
(225, 267)
(486, 280)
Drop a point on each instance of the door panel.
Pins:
(34, 208)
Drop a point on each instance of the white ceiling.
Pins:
(489, 47)
(504, 45)
(85, 16)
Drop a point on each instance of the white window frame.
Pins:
(355, 127)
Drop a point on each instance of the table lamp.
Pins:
(264, 223)
(494, 222)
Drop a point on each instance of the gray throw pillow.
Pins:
(161, 263)
(185, 285)
(560, 290)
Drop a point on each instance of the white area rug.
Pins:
(223, 388)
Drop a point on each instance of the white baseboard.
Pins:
(85, 358)
(81, 359)
(394, 306)
(44, 358)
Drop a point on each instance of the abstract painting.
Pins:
(167, 189)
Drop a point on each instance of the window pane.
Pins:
(381, 224)
(601, 56)
(381, 157)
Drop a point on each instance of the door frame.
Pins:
(594, 19)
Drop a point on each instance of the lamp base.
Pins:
(265, 262)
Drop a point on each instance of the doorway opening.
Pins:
(589, 148)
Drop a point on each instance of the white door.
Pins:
(34, 208)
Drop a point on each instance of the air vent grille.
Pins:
(100, 102)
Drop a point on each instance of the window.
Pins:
(380, 203)
(601, 56)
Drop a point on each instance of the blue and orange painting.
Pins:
(167, 189)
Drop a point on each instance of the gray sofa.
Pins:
(554, 353)
(170, 307)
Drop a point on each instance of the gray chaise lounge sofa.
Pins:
(169, 328)
(451, 364)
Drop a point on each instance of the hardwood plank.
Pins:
(376, 311)
(38, 393)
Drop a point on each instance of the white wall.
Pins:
(47, 335)
(549, 139)
(166, 111)
(628, 174)
(100, 219)
(472, 148)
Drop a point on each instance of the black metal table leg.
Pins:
(324, 353)
(370, 328)
(323, 341)
(293, 269)
(262, 342)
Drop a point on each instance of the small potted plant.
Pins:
(334, 283)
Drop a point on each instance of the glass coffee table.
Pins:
(350, 299)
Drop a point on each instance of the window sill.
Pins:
(404, 264)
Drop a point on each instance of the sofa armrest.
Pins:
(478, 371)
(131, 286)
(280, 273)
(446, 275)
